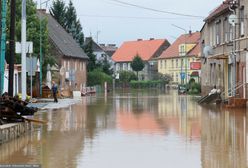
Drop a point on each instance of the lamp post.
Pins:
(185, 52)
(41, 52)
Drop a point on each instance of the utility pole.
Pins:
(41, 52)
(185, 54)
(12, 46)
(23, 44)
(3, 45)
(41, 56)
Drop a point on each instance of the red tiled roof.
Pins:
(223, 7)
(173, 50)
(144, 48)
(196, 51)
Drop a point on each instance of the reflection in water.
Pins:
(224, 138)
(134, 129)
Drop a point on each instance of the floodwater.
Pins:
(134, 130)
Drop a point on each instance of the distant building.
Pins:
(181, 60)
(99, 51)
(148, 50)
(70, 57)
(16, 81)
(109, 49)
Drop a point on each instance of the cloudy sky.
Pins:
(115, 22)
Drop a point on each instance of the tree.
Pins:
(137, 64)
(92, 57)
(67, 17)
(58, 11)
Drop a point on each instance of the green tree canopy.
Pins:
(92, 57)
(33, 32)
(67, 17)
(137, 64)
(58, 11)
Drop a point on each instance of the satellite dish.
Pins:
(233, 19)
(208, 50)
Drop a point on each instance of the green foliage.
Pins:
(137, 64)
(125, 78)
(146, 84)
(33, 32)
(163, 77)
(58, 11)
(92, 57)
(193, 87)
(67, 17)
(97, 77)
(105, 66)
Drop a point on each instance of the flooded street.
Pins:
(135, 130)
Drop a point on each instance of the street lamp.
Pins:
(41, 56)
(185, 52)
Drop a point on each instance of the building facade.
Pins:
(181, 60)
(148, 50)
(69, 57)
(224, 49)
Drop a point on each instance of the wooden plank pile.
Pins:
(12, 109)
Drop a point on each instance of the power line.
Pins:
(157, 10)
(135, 17)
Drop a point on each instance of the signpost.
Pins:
(3, 44)
(28, 49)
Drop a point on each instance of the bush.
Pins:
(126, 77)
(97, 77)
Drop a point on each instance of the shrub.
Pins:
(97, 77)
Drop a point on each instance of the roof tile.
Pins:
(144, 48)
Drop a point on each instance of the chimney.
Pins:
(139, 39)
(152, 39)
(190, 32)
(102, 45)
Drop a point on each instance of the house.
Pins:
(16, 81)
(224, 48)
(109, 49)
(181, 60)
(101, 54)
(148, 50)
(70, 57)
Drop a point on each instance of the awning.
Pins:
(194, 74)
(219, 56)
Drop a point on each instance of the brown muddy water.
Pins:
(134, 130)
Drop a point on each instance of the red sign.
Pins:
(195, 65)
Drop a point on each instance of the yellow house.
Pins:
(181, 60)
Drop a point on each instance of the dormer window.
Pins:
(182, 50)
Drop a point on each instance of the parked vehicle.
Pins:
(182, 89)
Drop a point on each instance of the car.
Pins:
(182, 89)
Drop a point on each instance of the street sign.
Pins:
(31, 65)
(29, 47)
(182, 74)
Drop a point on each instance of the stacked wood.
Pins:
(12, 109)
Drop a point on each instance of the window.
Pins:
(172, 63)
(68, 64)
(226, 30)
(75, 65)
(182, 50)
(161, 64)
(242, 21)
(177, 63)
(164, 64)
(218, 32)
(64, 63)
(231, 33)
